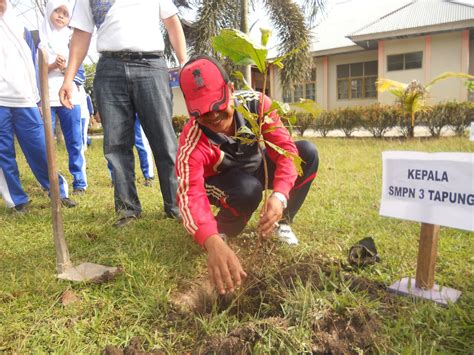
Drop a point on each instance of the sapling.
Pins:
(239, 48)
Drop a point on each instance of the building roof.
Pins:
(418, 17)
(344, 17)
(354, 25)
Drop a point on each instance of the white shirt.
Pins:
(130, 25)
(17, 73)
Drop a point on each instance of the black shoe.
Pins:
(68, 203)
(122, 222)
(174, 215)
(79, 191)
(148, 182)
(22, 207)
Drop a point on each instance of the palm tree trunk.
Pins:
(244, 27)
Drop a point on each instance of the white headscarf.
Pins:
(17, 72)
(54, 41)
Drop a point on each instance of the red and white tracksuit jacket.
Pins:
(200, 157)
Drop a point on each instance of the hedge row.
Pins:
(377, 119)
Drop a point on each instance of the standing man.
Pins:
(214, 167)
(131, 76)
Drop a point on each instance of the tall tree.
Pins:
(289, 23)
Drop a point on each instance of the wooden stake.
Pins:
(62, 254)
(427, 250)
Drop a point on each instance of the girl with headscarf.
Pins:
(19, 113)
(54, 39)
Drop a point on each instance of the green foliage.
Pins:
(304, 121)
(460, 115)
(412, 97)
(378, 119)
(178, 123)
(325, 122)
(348, 120)
(238, 47)
(90, 75)
(435, 119)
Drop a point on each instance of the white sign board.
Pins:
(472, 132)
(435, 188)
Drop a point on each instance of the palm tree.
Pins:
(289, 25)
(412, 97)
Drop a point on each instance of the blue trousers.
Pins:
(238, 193)
(123, 88)
(144, 151)
(71, 126)
(27, 125)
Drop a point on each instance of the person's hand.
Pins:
(269, 219)
(60, 62)
(65, 95)
(225, 271)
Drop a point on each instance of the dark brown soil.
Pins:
(261, 298)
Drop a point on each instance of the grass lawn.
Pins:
(299, 299)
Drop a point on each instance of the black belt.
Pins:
(133, 55)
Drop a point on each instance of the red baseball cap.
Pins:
(205, 85)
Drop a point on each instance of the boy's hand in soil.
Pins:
(225, 271)
(269, 219)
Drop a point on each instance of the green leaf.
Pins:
(278, 61)
(282, 108)
(291, 120)
(295, 158)
(238, 46)
(238, 75)
(271, 129)
(387, 84)
(250, 117)
(267, 119)
(308, 106)
(244, 130)
(447, 75)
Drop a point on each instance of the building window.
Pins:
(356, 80)
(404, 61)
(307, 90)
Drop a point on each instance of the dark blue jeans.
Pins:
(123, 87)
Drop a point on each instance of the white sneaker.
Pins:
(285, 234)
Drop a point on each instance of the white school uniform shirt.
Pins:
(129, 25)
(17, 72)
(56, 43)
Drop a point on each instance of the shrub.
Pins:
(348, 119)
(378, 119)
(324, 122)
(435, 119)
(304, 121)
(178, 123)
(459, 115)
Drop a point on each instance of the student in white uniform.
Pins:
(54, 37)
(19, 114)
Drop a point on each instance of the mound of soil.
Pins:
(261, 297)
